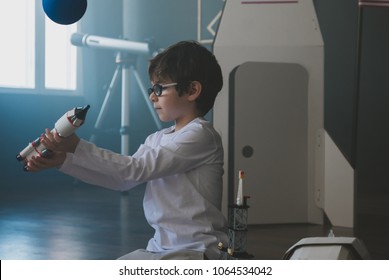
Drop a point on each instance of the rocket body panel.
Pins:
(64, 126)
(35, 148)
(26, 151)
(38, 151)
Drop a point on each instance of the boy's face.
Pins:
(170, 106)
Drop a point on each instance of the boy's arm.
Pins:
(105, 168)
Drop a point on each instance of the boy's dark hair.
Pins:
(188, 61)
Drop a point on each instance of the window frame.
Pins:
(40, 88)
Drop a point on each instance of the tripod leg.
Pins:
(125, 118)
(106, 102)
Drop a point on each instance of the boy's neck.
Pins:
(183, 122)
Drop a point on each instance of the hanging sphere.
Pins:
(64, 11)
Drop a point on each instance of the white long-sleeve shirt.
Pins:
(183, 195)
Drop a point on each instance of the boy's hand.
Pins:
(58, 147)
(39, 163)
(56, 143)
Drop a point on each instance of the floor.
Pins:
(73, 220)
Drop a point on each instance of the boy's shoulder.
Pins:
(199, 126)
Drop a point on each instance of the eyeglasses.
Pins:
(158, 88)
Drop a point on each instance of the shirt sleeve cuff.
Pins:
(69, 160)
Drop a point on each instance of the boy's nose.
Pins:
(153, 97)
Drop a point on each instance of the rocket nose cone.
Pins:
(81, 112)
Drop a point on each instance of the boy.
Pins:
(183, 164)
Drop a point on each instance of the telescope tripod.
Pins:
(125, 68)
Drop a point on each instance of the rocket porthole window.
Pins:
(247, 151)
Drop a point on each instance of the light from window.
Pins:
(22, 44)
(60, 56)
(17, 51)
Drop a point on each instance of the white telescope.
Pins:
(93, 41)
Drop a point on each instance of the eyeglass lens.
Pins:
(158, 88)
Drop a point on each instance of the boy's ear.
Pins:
(194, 90)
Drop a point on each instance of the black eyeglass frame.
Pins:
(158, 88)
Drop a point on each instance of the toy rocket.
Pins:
(239, 197)
(237, 227)
(65, 126)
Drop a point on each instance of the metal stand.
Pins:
(125, 67)
(237, 233)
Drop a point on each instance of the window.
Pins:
(60, 56)
(35, 53)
